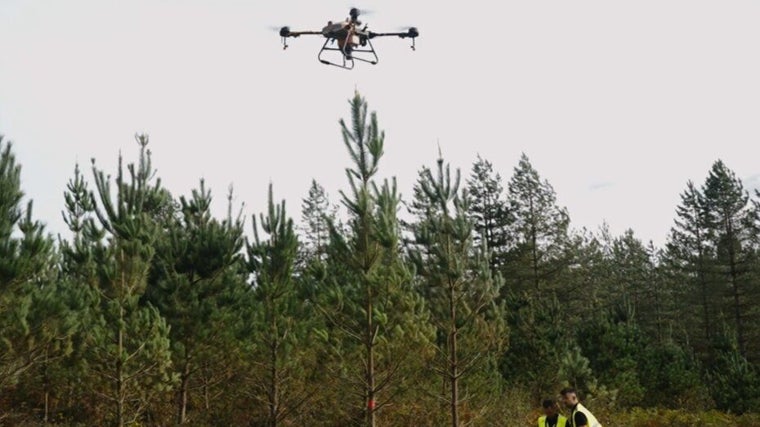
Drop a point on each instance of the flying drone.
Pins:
(354, 42)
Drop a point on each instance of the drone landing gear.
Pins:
(348, 56)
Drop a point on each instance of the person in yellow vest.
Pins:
(579, 415)
(552, 418)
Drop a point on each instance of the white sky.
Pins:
(616, 103)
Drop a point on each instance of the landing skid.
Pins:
(347, 59)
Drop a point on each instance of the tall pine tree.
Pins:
(280, 330)
(731, 220)
(373, 314)
(26, 268)
(129, 355)
(195, 277)
(540, 230)
(461, 291)
(689, 256)
(489, 211)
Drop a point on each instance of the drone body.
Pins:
(353, 41)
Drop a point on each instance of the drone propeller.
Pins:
(354, 12)
(285, 33)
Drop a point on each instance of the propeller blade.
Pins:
(360, 11)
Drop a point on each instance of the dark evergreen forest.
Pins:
(464, 304)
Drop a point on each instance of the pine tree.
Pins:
(421, 207)
(129, 355)
(26, 261)
(735, 382)
(637, 281)
(374, 318)
(613, 343)
(590, 274)
(196, 272)
(316, 215)
(55, 318)
(630, 262)
(540, 230)
(538, 345)
(730, 218)
(459, 287)
(688, 256)
(79, 275)
(659, 301)
(489, 210)
(280, 331)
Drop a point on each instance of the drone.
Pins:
(354, 42)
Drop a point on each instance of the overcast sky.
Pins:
(616, 103)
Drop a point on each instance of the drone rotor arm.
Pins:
(411, 33)
(285, 33)
(373, 34)
(303, 33)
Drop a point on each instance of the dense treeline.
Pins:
(480, 303)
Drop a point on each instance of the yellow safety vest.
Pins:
(592, 421)
(561, 421)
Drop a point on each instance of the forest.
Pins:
(465, 304)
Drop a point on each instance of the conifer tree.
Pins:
(421, 207)
(591, 273)
(689, 255)
(316, 215)
(730, 218)
(735, 382)
(280, 331)
(630, 260)
(26, 266)
(129, 356)
(613, 343)
(374, 318)
(489, 211)
(636, 281)
(197, 271)
(78, 271)
(460, 290)
(540, 230)
(538, 344)
(660, 302)
(53, 320)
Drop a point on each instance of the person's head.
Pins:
(569, 396)
(550, 407)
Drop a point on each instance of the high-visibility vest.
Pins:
(561, 421)
(592, 421)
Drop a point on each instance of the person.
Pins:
(579, 415)
(552, 418)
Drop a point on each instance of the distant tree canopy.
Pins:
(153, 312)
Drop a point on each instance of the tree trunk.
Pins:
(183, 391)
(453, 361)
(46, 387)
(705, 300)
(370, 362)
(534, 246)
(120, 372)
(737, 303)
(274, 403)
